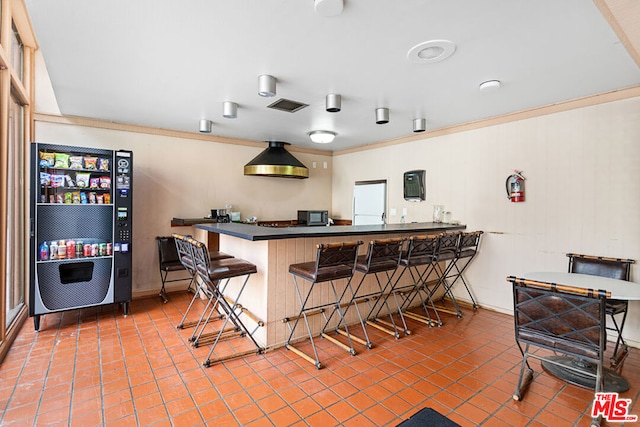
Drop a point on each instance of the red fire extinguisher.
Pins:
(515, 187)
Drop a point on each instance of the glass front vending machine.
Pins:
(80, 228)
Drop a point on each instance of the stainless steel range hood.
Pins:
(277, 162)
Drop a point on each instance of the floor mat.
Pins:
(427, 417)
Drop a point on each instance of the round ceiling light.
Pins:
(431, 51)
(322, 136)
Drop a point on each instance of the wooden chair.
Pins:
(613, 268)
(565, 320)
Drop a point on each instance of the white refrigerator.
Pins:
(369, 202)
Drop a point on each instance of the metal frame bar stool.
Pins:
(382, 259)
(446, 254)
(185, 256)
(169, 262)
(418, 260)
(212, 273)
(466, 252)
(421, 254)
(334, 261)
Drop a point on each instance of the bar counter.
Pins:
(270, 293)
(256, 233)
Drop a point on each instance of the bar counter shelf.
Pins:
(270, 293)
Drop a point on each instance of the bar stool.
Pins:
(418, 260)
(382, 259)
(185, 256)
(333, 261)
(466, 252)
(444, 263)
(212, 273)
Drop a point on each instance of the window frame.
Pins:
(17, 84)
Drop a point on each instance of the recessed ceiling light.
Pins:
(490, 85)
(431, 51)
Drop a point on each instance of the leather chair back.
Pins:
(613, 268)
(559, 318)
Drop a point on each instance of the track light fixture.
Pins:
(333, 103)
(266, 85)
(229, 110)
(382, 116)
(205, 126)
(419, 125)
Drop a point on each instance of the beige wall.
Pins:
(180, 177)
(582, 191)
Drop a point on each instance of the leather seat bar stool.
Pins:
(170, 264)
(212, 274)
(444, 263)
(380, 261)
(613, 268)
(334, 261)
(418, 260)
(466, 252)
(185, 256)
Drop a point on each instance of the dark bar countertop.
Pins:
(255, 232)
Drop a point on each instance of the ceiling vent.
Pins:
(287, 105)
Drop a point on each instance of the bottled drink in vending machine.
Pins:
(44, 251)
(62, 249)
(71, 249)
(53, 250)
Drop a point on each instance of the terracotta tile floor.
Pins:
(94, 367)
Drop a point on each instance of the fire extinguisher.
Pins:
(515, 187)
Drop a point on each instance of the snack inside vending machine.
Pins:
(80, 228)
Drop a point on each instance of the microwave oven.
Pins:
(313, 218)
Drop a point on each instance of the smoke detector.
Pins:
(328, 7)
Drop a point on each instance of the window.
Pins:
(16, 91)
(17, 52)
(14, 248)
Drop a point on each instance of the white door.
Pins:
(370, 202)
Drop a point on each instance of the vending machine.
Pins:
(80, 228)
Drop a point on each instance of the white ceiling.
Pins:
(168, 64)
